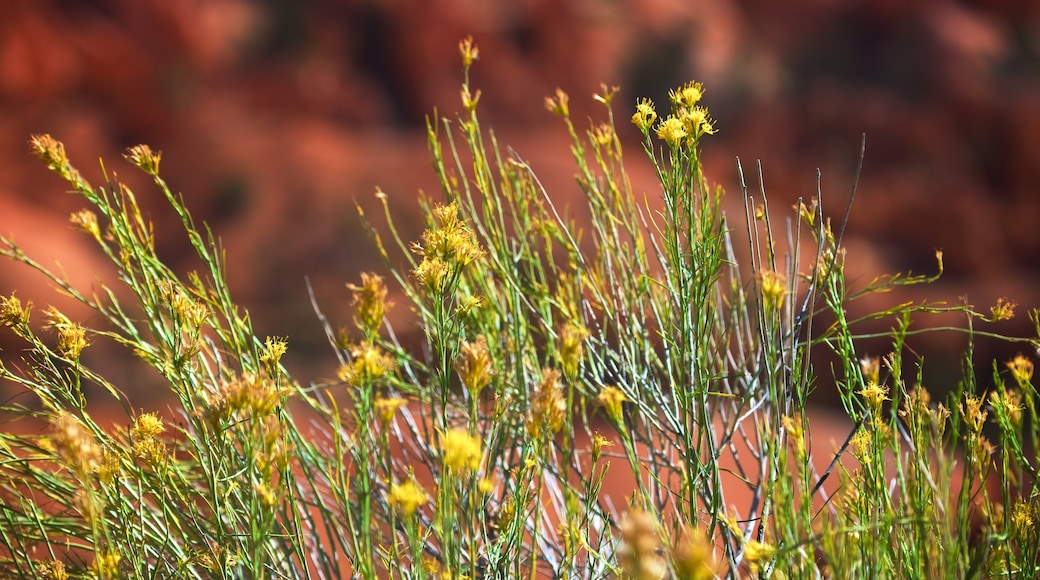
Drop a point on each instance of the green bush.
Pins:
(648, 343)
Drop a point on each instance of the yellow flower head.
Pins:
(870, 366)
(50, 151)
(755, 551)
(1003, 310)
(369, 301)
(687, 96)
(12, 313)
(875, 395)
(639, 553)
(1022, 369)
(774, 288)
(369, 364)
(474, 365)
(469, 51)
(548, 406)
(558, 104)
(461, 451)
(974, 415)
(72, 338)
(86, 220)
(406, 497)
(274, 349)
(672, 131)
(76, 446)
(387, 407)
(144, 158)
(571, 349)
(1007, 403)
(611, 398)
(692, 556)
(644, 116)
(697, 121)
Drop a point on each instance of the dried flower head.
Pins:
(548, 406)
(461, 451)
(144, 158)
(474, 365)
(640, 551)
(86, 220)
(51, 152)
(75, 446)
(406, 497)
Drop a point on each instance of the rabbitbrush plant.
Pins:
(654, 343)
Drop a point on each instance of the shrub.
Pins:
(558, 358)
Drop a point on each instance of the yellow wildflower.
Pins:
(86, 220)
(548, 406)
(559, 104)
(12, 313)
(571, 349)
(687, 96)
(974, 415)
(369, 301)
(1022, 369)
(644, 116)
(75, 446)
(774, 288)
(672, 131)
(144, 158)
(369, 363)
(692, 556)
(144, 435)
(106, 564)
(755, 551)
(875, 395)
(461, 451)
(72, 338)
(474, 365)
(1003, 310)
(639, 552)
(386, 407)
(406, 497)
(469, 51)
(611, 398)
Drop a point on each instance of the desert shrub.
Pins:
(652, 343)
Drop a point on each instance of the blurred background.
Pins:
(276, 117)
